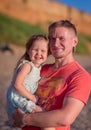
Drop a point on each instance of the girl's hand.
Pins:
(38, 109)
(34, 99)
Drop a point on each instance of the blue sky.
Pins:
(83, 5)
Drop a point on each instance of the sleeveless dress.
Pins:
(14, 99)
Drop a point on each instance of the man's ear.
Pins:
(75, 41)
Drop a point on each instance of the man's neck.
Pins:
(63, 61)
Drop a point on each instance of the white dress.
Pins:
(14, 99)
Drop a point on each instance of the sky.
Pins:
(83, 5)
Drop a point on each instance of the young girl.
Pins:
(25, 80)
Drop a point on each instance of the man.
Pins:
(64, 87)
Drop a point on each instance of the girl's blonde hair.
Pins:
(29, 44)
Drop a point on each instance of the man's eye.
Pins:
(34, 49)
(52, 39)
(62, 39)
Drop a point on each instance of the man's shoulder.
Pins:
(47, 65)
(46, 68)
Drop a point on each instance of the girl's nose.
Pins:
(38, 52)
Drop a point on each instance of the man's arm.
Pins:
(61, 117)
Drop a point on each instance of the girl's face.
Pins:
(38, 52)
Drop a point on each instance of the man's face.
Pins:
(62, 40)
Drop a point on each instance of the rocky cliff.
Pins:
(45, 11)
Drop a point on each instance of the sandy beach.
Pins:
(8, 62)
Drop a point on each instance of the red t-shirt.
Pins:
(56, 84)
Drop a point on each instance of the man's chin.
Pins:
(58, 57)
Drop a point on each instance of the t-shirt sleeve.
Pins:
(79, 86)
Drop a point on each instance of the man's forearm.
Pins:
(62, 117)
(45, 119)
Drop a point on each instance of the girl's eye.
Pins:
(43, 50)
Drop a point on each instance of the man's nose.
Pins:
(56, 42)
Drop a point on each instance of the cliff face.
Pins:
(45, 11)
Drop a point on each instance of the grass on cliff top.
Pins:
(17, 32)
(84, 44)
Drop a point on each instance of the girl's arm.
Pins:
(18, 83)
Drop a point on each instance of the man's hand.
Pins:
(18, 118)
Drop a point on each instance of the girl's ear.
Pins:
(27, 52)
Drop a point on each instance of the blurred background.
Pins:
(19, 19)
